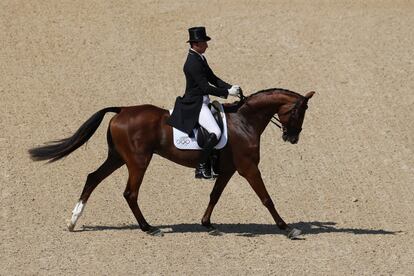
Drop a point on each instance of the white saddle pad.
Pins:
(182, 141)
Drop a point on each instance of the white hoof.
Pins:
(71, 227)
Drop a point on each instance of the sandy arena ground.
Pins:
(348, 184)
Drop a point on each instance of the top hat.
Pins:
(198, 34)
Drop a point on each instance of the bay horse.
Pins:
(135, 133)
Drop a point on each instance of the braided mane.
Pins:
(278, 90)
(230, 108)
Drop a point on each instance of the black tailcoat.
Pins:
(200, 81)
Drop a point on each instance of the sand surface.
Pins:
(348, 184)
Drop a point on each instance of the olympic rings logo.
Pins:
(183, 141)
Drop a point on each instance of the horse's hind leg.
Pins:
(136, 168)
(112, 163)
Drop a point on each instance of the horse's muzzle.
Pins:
(293, 139)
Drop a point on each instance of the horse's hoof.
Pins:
(156, 232)
(294, 233)
(71, 227)
(212, 231)
(215, 232)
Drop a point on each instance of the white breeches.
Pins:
(207, 120)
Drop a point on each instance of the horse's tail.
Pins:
(58, 149)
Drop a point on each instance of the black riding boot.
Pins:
(203, 170)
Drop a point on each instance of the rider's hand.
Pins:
(234, 90)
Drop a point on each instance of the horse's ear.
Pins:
(309, 94)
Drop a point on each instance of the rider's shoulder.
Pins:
(193, 56)
(193, 61)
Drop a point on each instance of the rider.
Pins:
(192, 108)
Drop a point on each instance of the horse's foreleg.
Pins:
(112, 163)
(137, 168)
(219, 186)
(255, 180)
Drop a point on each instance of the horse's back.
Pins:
(139, 113)
(141, 123)
(142, 109)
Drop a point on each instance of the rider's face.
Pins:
(200, 47)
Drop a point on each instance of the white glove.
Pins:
(234, 90)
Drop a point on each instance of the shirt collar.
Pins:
(201, 55)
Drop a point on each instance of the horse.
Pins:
(135, 133)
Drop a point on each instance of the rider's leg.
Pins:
(207, 121)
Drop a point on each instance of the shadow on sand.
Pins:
(251, 229)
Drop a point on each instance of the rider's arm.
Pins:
(213, 79)
(195, 70)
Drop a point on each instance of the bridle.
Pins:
(289, 129)
(294, 110)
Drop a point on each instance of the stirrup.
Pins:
(214, 174)
(203, 171)
(214, 165)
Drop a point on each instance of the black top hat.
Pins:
(198, 34)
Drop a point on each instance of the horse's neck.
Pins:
(259, 109)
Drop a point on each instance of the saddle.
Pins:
(196, 142)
